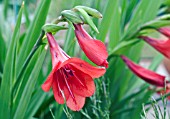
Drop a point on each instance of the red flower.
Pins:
(145, 74)
(71, 78)
(165, 31)
(163, 46)
(94, 49)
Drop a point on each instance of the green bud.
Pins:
(91, 11)
(71, 16)
(53, 28)
(87, 19)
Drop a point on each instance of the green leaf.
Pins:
(33, 32)
(129, 11)
(156, 24)
(34, 105)
(124, 45)
(107, 19)
(69, 42)
(26, 16)
(29, 88)
(3, 50)
(127, 99)
(8, 74)
(148, 10)
(156, 62)
(23, 81)
(115, 30)
(6, 2)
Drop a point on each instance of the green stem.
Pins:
(158, 99)
(36, 46)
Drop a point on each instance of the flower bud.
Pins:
(145, 74)
(71, 16)
(91, 11)
(53, 28)
(163, 46)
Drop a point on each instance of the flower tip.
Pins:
(105, 64)
(165, 31)
(45, 88)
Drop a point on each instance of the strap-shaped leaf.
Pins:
(29, 88)
(8, 74)
(33, 33)
(108, 17)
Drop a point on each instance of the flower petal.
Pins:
(82, 83)
(79, 27)
(163, 46)
(145, 74)
(57, 91)
(57, 54)
(94, 49)
(85, 67)
(78, 105)
(48, 83)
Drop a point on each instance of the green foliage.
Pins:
(9, 73)
(24, 65)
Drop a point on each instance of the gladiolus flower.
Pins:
(145, 74)
(163, 46)
(71, 78)
(94, 49)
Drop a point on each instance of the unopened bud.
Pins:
(53, 28)
(91, 11)
(71, 16)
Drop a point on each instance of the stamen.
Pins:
(79, 80)
(68, 87)
(59, 88)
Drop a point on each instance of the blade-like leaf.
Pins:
(6, 86)
(33, 32)
(29, 88)
(107, 19)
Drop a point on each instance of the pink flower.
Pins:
(71, 79)
(94, 49)
(145, 74)
(163, 46)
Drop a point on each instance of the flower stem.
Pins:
(158, 99)
(34, 49)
